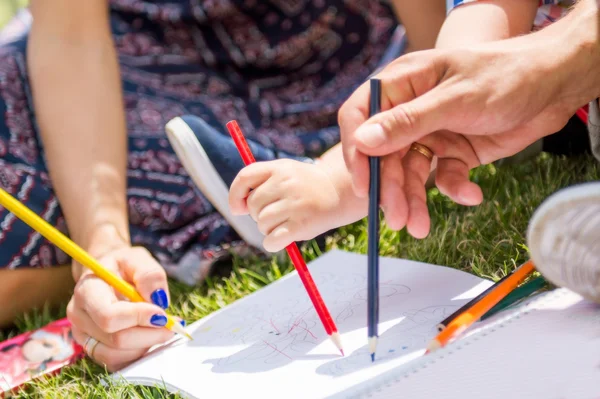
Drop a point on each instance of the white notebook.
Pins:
(272, 345)
(548, 349)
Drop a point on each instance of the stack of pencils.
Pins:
(483, 305)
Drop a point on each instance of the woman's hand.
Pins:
(470, 106)
(124, 330)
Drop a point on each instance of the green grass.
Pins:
(487, 240)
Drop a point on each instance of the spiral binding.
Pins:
(396, 376)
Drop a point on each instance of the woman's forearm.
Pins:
(422, 20)
(76, 87)
(484, 21)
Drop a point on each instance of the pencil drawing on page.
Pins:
(293, 330)
(275, 334)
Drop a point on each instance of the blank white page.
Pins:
(550, 351)
(271, 344)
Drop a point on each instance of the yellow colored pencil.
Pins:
(77, 253)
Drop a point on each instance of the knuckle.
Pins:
(104, 321)
(245, 174)
(265, 214)
(71, 314)
(117, 340)
(262, 226)
(139, 253)
(78, 294)
(154, 275)
(402, 115)
(288, 184)
(248, 172)
(342, 118)
(242, 180)
(251, 199)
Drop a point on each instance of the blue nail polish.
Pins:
(159, 298)
(158, 320)
(183, 323)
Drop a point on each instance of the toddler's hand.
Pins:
(290, 200)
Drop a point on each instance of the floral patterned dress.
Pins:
(281, 68)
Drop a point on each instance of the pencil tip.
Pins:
(373, 345)
(178, 328)
(337, 340)
(433, 346)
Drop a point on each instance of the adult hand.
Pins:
(470, 106)
(124, 330)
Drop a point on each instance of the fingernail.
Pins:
(159, 298)
(371, 135)
(158, 320)
(183, 323)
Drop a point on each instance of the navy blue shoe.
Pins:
(213, 161)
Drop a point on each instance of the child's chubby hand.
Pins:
(290, 200)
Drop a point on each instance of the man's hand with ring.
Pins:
(468, 107)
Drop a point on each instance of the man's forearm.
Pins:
(574, 53)
(80, 112)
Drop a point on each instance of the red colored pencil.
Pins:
(292, 249)
(582, 113)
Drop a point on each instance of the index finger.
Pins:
(248, 179)
(353, 113)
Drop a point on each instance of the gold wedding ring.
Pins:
(90, 350)
(422, 149)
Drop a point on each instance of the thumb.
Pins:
(395, 129)
(146, 274)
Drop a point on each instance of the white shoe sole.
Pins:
(564, 239)
(204, 175)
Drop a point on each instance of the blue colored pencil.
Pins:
(373, 232)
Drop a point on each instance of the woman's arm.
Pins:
(422, 20)
(484, 21)
(78, 103)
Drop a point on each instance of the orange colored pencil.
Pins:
(475, 312)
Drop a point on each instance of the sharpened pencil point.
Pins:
(433, 346)
(337, 340)
(373, 347)
(178, 328)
